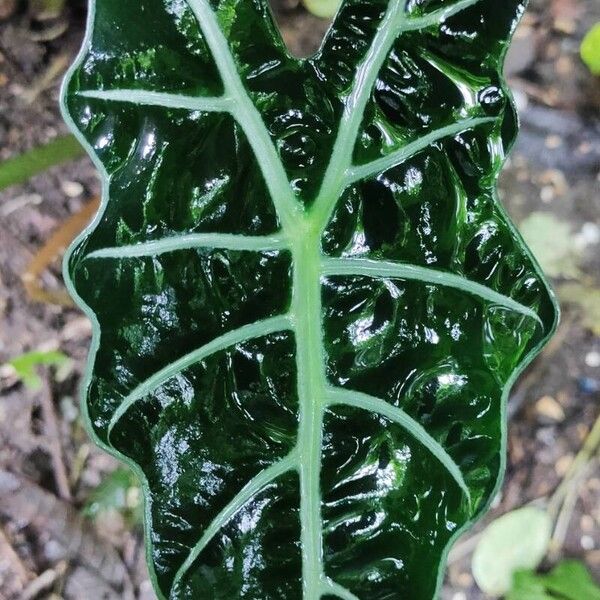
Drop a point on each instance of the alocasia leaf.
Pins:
(308, 304)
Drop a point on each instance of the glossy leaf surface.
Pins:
(308, 304)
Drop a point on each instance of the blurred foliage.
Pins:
(560, 251)
(588, 301)
(551, 242)
(119, 492)
(25, 366)
(22, 168)
(323, 8)
(590, 49)
(570, 580)
(498, 557)
(46, 9)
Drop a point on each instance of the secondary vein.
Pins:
(389, 269)
(221, 241)
(163, 99)
(416, 430)
(394, 23)
(330, 587)
(248, 116)
(356, 173)
(253, 487)
(355, 104)
(231, 338)
(437, 16)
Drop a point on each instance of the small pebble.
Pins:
(587, 542)
(585, 148)
(72, 189)
(563, 464)
(548, 407)
(7, 371)
(547, 194)
(590, 232)
(68, 409)
(553, 142)
(79, 328)
(587, 523)
(592, 359)
(546, 435)
(565, 25)
(19, 202)
(54, 551)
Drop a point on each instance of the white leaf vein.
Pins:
(393, 159)
(221, 241)
(162, 99)
(415, 429)
(231, 338)
(332, 588)
(388, 269)
(248, 492)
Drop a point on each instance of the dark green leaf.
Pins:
(21, 168)
(309, 306)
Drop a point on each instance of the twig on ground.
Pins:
(55, 69)
(560, 505)
(44, 581)
(580, 464)
(78, 465)
(565, 514)
(53, 442)
(25, 502)
(20, 572)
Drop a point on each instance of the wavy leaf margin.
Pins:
(339, 175)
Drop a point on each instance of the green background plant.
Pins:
(569, 580)
(590, 49)
(37, 160)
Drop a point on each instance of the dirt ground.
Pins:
(49, 469)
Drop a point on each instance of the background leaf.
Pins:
(551, 241)
(21, 168)
(572, 580)
(515, 541)
(323, 8)
(569, 580)
(588, 301)
(119, 491)
(26, 365)
(590, 49)
(528, 586)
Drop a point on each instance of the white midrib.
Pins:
(307, 317)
